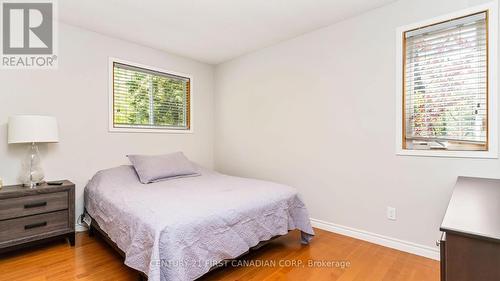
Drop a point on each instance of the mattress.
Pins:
(180, 228)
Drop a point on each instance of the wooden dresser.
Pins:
(28, 216)
(470, 246)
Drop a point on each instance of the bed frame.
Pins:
(94, 228)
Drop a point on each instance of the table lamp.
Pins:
(32, 129)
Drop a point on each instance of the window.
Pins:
(445, 99)
(144, 99)
(445, 85)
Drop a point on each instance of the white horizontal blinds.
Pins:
(446, 81)
(144, 98)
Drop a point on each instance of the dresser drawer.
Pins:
(442, 253)
(33, 225)
(33, 204)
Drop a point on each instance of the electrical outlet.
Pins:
(391, 213)
(87, 220)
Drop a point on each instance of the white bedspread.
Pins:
(177, 229)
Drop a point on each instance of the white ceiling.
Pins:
(211, 31)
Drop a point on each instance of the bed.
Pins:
(178, 229)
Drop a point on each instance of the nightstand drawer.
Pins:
(33, 204)
(33, 225)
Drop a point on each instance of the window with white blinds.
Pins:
(445, 85)
(148, 99)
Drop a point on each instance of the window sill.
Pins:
(149, 130)
(448, 153)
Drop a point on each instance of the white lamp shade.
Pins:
(32, 128)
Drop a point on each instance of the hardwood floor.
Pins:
(93, 259)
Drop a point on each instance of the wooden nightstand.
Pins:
(28, 216)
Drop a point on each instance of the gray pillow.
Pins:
(159, 167)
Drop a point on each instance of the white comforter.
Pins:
(178, 229)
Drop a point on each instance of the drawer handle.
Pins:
(34, 205)
(35, 225)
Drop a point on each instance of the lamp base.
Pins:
(31, 171)
(33, 184)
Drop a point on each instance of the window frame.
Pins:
(492, 124)
(111, 124)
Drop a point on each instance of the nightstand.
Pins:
(29, 216)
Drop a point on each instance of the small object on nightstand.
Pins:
(30, 215)
(55, 182)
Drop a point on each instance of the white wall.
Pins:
(317, 112)
(77, 94)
